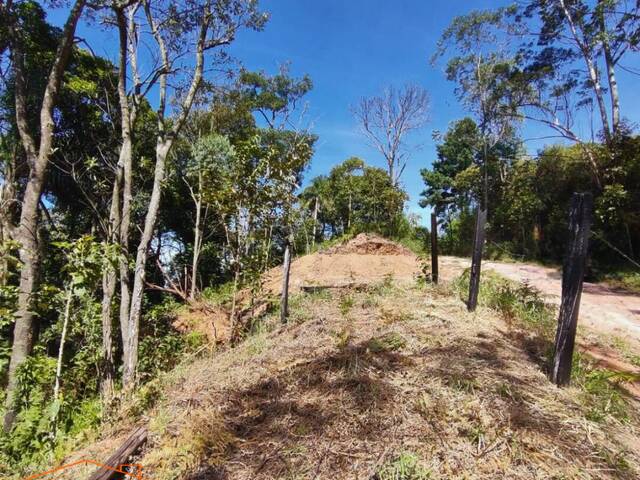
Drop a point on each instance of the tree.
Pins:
(388, 119)
(555, 52)
(354, 198)
(479, 74)
(38, 152)
(457, 178)
(211, 26)
(210, 156)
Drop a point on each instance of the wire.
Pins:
(613, 247)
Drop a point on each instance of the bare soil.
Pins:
(363, 260)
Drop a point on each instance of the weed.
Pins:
(462, 383)
(299, 309)
(431, 408)
(343, 338)
(389, 317)
(370, 301)
(600, 397)
(635, 360)
(404, 467)
(219, 294)
(506, 390)
(202, 437)
(389, 342)
(384, 288)
(476, 435)
(616, 460)
(346, 304)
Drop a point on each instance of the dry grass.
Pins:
(358, 379)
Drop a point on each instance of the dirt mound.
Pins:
(364, 260)
(368, 244)
(204, 318)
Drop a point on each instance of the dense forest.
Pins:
(171, 174)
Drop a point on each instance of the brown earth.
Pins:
(363, 260)
(211, 321)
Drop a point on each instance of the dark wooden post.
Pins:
(284, 299)
(434, 246)
(572, 278)
(476, 259)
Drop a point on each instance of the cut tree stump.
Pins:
(112, 466)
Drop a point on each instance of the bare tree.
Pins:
(386, 120)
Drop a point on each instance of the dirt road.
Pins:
(602, 309)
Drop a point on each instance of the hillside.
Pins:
(391, 380)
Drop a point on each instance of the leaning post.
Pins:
(434, 246)
(572, 279)
(476, 259)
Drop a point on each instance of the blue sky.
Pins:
(354, 48)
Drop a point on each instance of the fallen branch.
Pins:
(111, 467)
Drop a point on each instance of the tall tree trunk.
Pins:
(315, 224)
(132, 329)
(126, 31)
(166, 136)
(592, 70)
(611, 73)
(109, 280)
(25, 328)
(107, 365)
(7, 202)
(197, 243)
(63, 338)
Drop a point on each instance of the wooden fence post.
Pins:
(476, 259)
(434, 246)
(572, 279)
(284, 299)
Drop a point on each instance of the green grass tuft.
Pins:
(405, 466)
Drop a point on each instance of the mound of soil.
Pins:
(368, 244)
(209, 320)
(365, 259)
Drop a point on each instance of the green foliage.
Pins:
(389, 342)
(161, 346)
(626, 278)
(405, 466)
(600, 395)
(356, 198)
(518, 303)
(46, 428)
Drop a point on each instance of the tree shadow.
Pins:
(288, 423)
